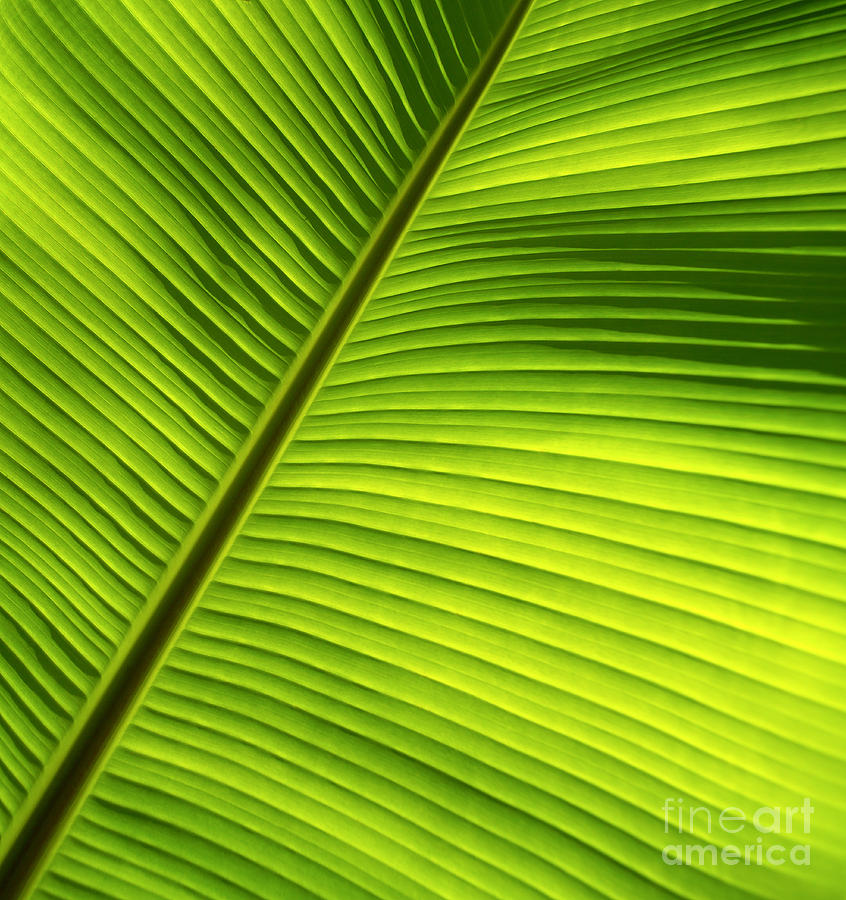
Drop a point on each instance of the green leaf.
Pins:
(421, 457)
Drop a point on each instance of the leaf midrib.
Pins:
(46, 814)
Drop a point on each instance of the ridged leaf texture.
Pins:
(421, 446)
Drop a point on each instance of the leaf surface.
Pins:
(422, 445)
